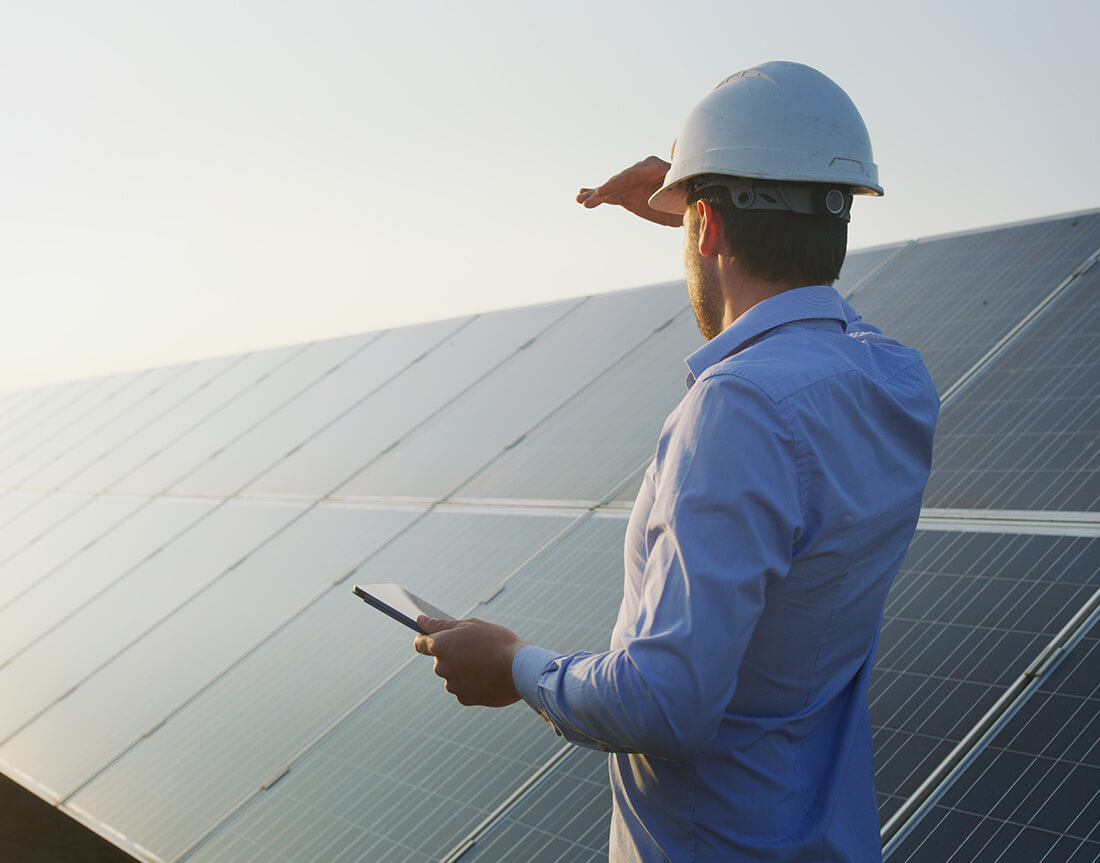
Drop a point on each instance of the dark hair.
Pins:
(778, 245)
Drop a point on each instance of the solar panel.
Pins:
(60, 416)
(336, 436)
(954, 298)
(178, 643)
(121, 545)
(412, 772)
(859, 264)
(12, 505)
(490, 418)
(266, 395)
(183, 665)
(124, 423)
(36, 560)
(564, 819)
(113, 463)
(1024, 434)
(301, 679)
(967, 614)
(33, 470)
(30, 522)
(102, 614)
(1033, 793)
(593, 442)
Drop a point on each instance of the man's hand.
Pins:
(632, 189)
(474, 657)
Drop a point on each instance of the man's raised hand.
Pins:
(631, 189)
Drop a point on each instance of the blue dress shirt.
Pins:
(782, 499)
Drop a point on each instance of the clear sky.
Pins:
(191, 179)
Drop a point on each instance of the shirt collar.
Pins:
(815, 302)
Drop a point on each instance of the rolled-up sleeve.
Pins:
(726, 513)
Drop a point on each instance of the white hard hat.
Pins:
(781, 122)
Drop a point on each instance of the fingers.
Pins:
(590, 197)
(432, 625)
(423, 645)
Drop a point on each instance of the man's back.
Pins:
(784, 495)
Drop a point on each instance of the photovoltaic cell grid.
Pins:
(1032, 794)
(954, 298)
(233, 606)
(1026, 433)
(412, 756)
(564, 819)
(967, 615)
(219, 748)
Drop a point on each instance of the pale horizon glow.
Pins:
(184, 181)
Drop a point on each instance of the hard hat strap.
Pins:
(810, 199)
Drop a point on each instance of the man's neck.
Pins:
(742, 291)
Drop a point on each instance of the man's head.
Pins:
(764, 172)
(793, 249)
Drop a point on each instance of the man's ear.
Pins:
(711, 229)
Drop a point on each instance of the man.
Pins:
(783, 496)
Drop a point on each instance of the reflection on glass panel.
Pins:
(404, 780)
(171, 658)
(60, 408)
(564, 819)
(230, 420)
(57, 447)
(173, 787)
(242, 373)
(24, 407)
(201, 552)
(861, 263)
(601, 437)
(1024, 433)
(1032, 793)
(340, 423)
(14, 503)
(84, 613)
(123, 546)
(440, 455)
(966, 616)
(954, 298)
(412, 773)
(36, 560)
(29, 522)
(124, 424)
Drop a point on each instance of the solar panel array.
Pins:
(183, 666)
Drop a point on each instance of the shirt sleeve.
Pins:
(726, 514)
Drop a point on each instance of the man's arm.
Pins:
(726, 514)
(631, 189)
